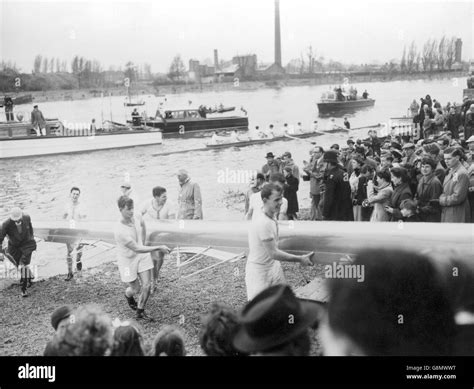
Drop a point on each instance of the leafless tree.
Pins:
(442, 49)
(177, 68)
(302, 64)
(450, 52)
(417, 63)
(37, 64)
(425, 57)
(310, 59)
(403, 62)
(433, 56)
(411, 57)
(45, 65)
(147, 71)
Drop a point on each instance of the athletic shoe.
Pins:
(79, 265)
(69, 277)
(141, 315)
(24, 293)
(131, 302)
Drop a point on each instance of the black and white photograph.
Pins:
(234, 179)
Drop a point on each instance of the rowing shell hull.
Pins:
(330, 241)
(327, 239)
(261, 141)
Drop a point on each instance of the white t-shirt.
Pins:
(129, 262)
(148, 209)
(123, 234)
(261, 229)
(74, 211)
(256, 204)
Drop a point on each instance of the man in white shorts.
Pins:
(256, 202)
(74, 212)
(157, 208)
(134, 263)
(263, 268)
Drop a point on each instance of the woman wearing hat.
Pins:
(379, 196)
(428, 191)
(401, 191)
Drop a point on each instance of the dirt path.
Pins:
(25, 322)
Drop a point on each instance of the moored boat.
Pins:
(184, 121)
(341, 101)
(17, 140)
(17, 100)
(327, 106)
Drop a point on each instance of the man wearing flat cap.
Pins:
(21, 244)
(410, 156)
(189, 198)
(60, 320)
(337, 194)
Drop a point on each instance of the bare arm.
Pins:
(132, 245)
(142, 223)
(274, 252)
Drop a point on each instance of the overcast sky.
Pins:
(155, 31)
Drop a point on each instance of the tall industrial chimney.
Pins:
(277, 33)
(216, 60)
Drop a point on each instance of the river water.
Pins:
(40, 185)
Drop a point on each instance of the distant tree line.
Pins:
(434, 55)
(55, 73)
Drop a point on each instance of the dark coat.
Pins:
(400, 193)
(16, 239)
(291, 188)
(337, 196)
(454, 121)
(428, 191)
(454, 199)
(469, 125)
(20, 245)
(440, 171)
(269, 169)
(361, 195)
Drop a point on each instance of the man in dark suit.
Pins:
(337, 193)
(21, 244)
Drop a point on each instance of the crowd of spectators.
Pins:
(369, 179)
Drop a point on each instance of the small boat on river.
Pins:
(19, 139)
(184, 122)
(338, 101)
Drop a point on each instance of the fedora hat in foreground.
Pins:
(274, 317)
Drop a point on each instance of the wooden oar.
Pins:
(372, 126)
(294, 137)
(179, 152)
